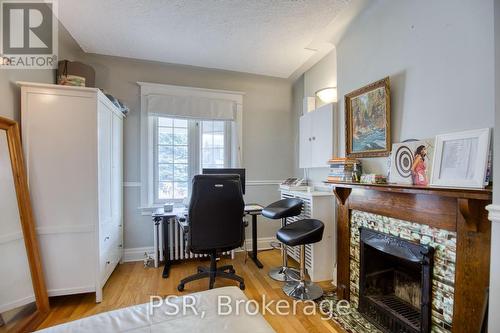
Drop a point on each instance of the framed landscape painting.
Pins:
(368, 120)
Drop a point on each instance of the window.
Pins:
(182, 130)
(181, 149)
(172, 151)
(213, 144)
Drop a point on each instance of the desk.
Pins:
(161, 236)
(254, 210)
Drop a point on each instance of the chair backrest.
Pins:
(216, 214)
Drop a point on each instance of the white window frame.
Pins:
(147, 132)
(194, 146)
(190, 146)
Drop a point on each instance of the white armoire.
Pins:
(316, 139)
(72, 139)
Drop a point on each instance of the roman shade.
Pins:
(191, 107)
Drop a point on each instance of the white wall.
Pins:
(439, 56)
(268, 149)
(494, 319)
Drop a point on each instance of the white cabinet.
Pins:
(316, 137)
(72, 141)
(320, 257)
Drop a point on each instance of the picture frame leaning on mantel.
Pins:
(461, 159)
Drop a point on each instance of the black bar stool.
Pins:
(307, 231)
(282, 209)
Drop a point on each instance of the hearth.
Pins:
(395, 282)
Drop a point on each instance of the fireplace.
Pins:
(395, 282)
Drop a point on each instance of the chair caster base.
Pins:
(284, 274)
(304, 290)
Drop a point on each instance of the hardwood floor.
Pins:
(132, 284)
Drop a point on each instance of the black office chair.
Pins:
(214, 224)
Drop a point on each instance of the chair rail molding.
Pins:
(262, 182)
(248, 183)
(493, 213)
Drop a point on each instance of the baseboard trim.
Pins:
(71, 291)
(137, 253)
(263, 243)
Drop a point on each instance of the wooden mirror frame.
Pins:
(32, 321)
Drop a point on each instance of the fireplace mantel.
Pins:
(455, 209)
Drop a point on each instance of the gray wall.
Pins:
(268, 133)
(321, 75)
(298, 97)
(439, 64)
(10, 93)
(268, 136)
(494, 320)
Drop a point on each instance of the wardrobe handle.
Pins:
(314, 138)
(108, 262)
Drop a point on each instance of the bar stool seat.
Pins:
(306, 231)
(283, 209)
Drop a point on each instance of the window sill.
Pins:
(149, 210)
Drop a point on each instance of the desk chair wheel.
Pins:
(180, 287)
(242, 285)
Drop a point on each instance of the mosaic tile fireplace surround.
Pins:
(454, 222)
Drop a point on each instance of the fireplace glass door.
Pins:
(395, 282)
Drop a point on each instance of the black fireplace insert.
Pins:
(395, 282)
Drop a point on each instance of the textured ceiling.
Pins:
(254, 36)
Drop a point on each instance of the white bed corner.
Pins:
(137, 318)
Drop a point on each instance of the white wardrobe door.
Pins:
(105, 153)
(117, 170)
(59, 139)
(322, 136)
(116, 186)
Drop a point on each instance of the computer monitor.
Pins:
(240, 172)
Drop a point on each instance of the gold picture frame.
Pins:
(368, 120)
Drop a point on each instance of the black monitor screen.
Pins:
(240, 172)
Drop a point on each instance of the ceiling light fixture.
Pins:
(327, 95)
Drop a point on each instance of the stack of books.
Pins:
(344, 170)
